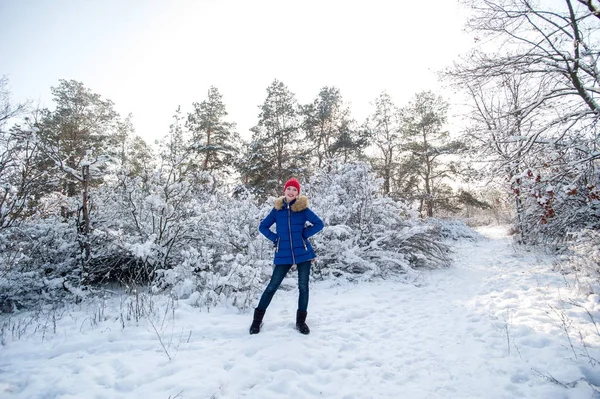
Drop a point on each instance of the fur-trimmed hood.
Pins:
(300, 204)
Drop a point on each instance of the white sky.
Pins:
(151, 56)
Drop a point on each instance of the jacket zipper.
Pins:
(290, 232)
(277, 249)
(304, 243)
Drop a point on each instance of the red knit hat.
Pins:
(292, 182)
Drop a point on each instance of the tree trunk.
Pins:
(86, 222)
(206, 156)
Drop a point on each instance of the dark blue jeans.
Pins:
(279, 273)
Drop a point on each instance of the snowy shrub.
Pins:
(420, 244)
(557, 201)
(583, 260)
(40, 262)
(202, 245)
(454, 230)
(142, 225)
(366, 234)
(339, 255)
(230, 262)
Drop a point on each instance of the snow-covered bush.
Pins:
(202, 244)
(366, 234)
(583, 260)
(557, 202)
(143, 223)
(229, 259)
(454, 230)
(39, 262)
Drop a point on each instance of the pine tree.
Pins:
(213, 138)
(325, 120)
(385, 135)
(350, 143)
(78, 140)
(275, 151)
(140, 158)
(425, 142)
(80, 130)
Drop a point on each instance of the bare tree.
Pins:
(494, 133)
(554, 49)
(20, 177)
(534, 83)
(18, 150)
(8, 109)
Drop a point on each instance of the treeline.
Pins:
(86, 202)
(405, 145)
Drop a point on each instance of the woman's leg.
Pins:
(279, 273)
(303, 276)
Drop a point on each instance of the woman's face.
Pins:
(291, 193)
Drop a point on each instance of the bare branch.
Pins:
(593, 8)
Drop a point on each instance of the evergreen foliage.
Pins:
(384, 132)
(330, 129)
(213, 138)
(425, 172)
(277, 149)
(82, 129)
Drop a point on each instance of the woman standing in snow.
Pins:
(292, 247)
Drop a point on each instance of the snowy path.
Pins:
(445, 339)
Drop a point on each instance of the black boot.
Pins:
(301, 322)
(257, 321)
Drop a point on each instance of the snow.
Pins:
(488, 327)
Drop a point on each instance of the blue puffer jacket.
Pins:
(292, 233)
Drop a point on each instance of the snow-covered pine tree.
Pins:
(82, 128)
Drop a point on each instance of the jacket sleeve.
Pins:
(265, 225)
(317, 224)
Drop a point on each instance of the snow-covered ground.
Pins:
(496, 325)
